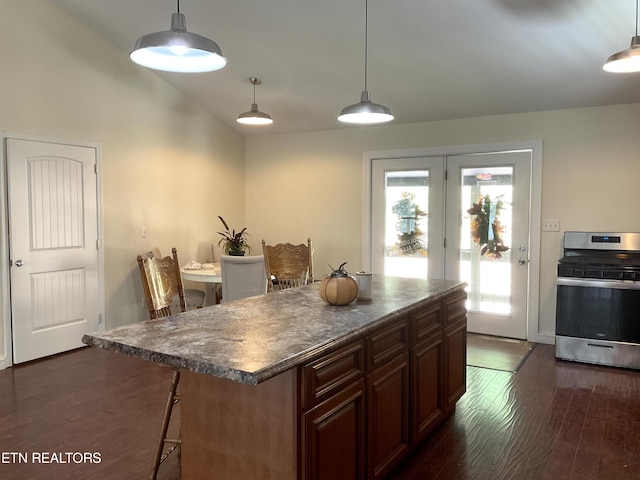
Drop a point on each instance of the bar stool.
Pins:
(173, 443)
(161, 282)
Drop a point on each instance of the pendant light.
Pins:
(177, 50)
(254, 116)
(626, 61)
(365, 112)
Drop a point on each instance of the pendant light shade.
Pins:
(177, 50)
(626, 61)
(254, 116)
(365, 112)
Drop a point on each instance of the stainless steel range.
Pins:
(598, 299)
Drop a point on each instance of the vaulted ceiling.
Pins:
(428, 59)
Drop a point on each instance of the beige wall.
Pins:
(166, 163)
(60, 80)
(312, 183)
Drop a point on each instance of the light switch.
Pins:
(551, 225)
(143, 231)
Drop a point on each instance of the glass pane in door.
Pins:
(486, 238)
(406, 223)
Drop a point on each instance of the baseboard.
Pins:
(548, 338)
(4, 363)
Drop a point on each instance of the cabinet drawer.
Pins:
(386, 344)
(332, 373)
(425, 323)
(455, 307)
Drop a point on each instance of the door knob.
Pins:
(19, 263)
(522, 261)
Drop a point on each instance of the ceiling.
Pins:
(428, 59)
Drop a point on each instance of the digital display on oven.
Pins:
(604, 239)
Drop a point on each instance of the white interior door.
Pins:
(416, 233)
(54, 258)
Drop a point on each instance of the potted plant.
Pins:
(232, 242)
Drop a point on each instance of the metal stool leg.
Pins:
(172, 399)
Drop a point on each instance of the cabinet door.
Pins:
(388, 415)
(333, 437)
(455, 363)
(427, 367)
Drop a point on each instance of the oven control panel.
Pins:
(597, 273)
(605, 239)
(602, 241)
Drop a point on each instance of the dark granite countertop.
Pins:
(254, 339)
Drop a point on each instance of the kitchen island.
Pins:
(285, 386)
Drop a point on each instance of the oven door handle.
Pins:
(596, 283)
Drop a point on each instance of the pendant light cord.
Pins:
(637, 1)
(178, 6)
(366, 40)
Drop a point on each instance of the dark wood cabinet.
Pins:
(331, 373)
(333, 437)
(455, 350)
(388, 415)
(367, 405)
(386, 344)
(427, 370)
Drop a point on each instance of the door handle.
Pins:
(522, 261)
(19, 263)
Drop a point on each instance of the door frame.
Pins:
(6, 346)
(533, 284)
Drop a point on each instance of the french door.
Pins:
(460, 217)
(407, 220)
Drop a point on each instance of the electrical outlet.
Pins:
(551, 225)
(143, 231)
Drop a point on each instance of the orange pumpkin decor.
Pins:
(339, 287)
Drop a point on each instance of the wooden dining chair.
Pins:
(161, 283)
(242, 277)
(163, 288)
(288, 265)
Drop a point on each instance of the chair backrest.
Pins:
(288, 265)
(161, 282)
(242, 277)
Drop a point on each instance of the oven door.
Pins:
(598, 309)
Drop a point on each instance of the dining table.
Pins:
(209, 273)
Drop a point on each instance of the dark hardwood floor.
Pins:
(551, 420)
(85, 401)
